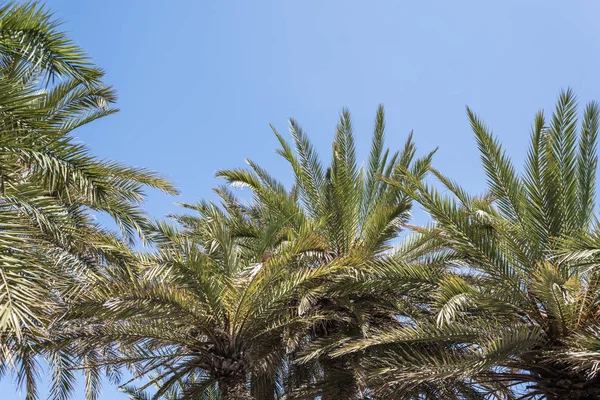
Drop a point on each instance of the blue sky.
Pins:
(200, 81)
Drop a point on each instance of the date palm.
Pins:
(209, 306)
(50, 186)
(358, 216)
(521, 305)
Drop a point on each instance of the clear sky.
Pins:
(200, 81)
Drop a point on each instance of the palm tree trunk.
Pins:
(339, 381)
(235, 388)
(262, 386)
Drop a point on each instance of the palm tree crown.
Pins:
(208, 306)
(357, 216)
(515, 300)
(50, 186)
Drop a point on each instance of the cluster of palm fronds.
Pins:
(51, 188)
(315, 290)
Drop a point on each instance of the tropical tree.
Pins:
(207, 307)
(357, 217)
(518, 306)
(50, 186)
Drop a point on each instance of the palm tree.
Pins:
(50, 186)
(205, 308)
(358, 216)
(520, 309)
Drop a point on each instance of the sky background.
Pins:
(200, 81)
